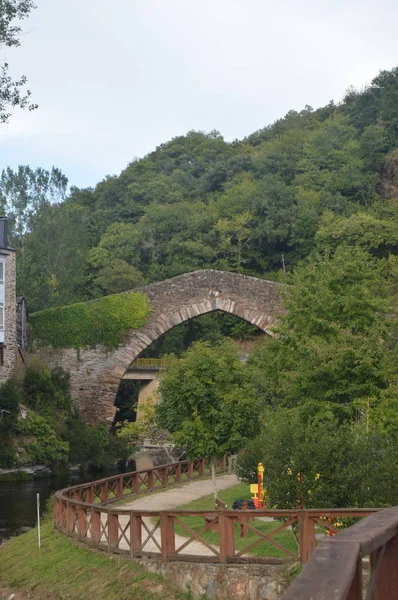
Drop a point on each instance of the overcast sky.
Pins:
(115, 78)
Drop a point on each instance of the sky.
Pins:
(116, 78)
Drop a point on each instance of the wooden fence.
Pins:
(335, 569)
(88, 513)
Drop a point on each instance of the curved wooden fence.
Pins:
(88, 513)
(335, 569)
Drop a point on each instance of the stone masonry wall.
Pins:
(224, 582)
(10, 336)
(96, 374)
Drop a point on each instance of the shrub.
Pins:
(45, 447)
(7, 455)
(10, 399)
(317, 462)
(95, 444)
(47, 391)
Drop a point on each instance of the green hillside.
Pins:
(310, 180)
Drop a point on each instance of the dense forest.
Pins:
(308, 182)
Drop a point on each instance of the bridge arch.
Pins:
(96, 375)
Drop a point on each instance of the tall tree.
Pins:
(12, 92)
(333, 343)
(207, 403)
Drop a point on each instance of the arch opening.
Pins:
(212, 327)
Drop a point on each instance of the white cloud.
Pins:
(114, 78)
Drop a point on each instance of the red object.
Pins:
(259, 492)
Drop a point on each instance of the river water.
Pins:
(18, 508)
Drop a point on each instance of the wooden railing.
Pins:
(88, 512)
(335, 569)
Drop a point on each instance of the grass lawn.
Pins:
(285, 538)
(62, 570)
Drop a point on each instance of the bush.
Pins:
(10, 399)
(94, 444)
(316, 462)
(46, 447)
(7, 456)
(47, 391)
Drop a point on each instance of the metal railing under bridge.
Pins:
(149, 363)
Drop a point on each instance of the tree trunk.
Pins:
(213, 465)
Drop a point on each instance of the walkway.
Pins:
(181, 494)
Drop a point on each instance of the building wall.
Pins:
(10, 337)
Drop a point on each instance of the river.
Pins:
(18, 509)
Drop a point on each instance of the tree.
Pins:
(377, 235)
(11, 92)
(234, 235)
(145, 428)
(207, 402)
(332, 345)
(313, 461)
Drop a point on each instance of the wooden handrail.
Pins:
(334, 571)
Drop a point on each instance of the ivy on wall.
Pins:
(105, 321)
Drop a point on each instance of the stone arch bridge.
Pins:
(96, 373)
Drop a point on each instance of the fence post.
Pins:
(355, 591)
(113, 530)
(164, 476)
(201, 466)
(386, 585)
(227, 539)
(82, 521)
(190, 470)
(119, 487)
(71, 518)
(104, 491)
(135, 534)
(167, 537)
(95, 525)
(178, 472)
(306, 531)
(150, 480)
(56, 512)
(135, 485)
(63, 524)
(90, 494)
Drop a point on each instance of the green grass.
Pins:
(285, 538)
(61, 570)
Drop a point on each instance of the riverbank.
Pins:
(34, 472)
(63, 570)
(26, 473)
